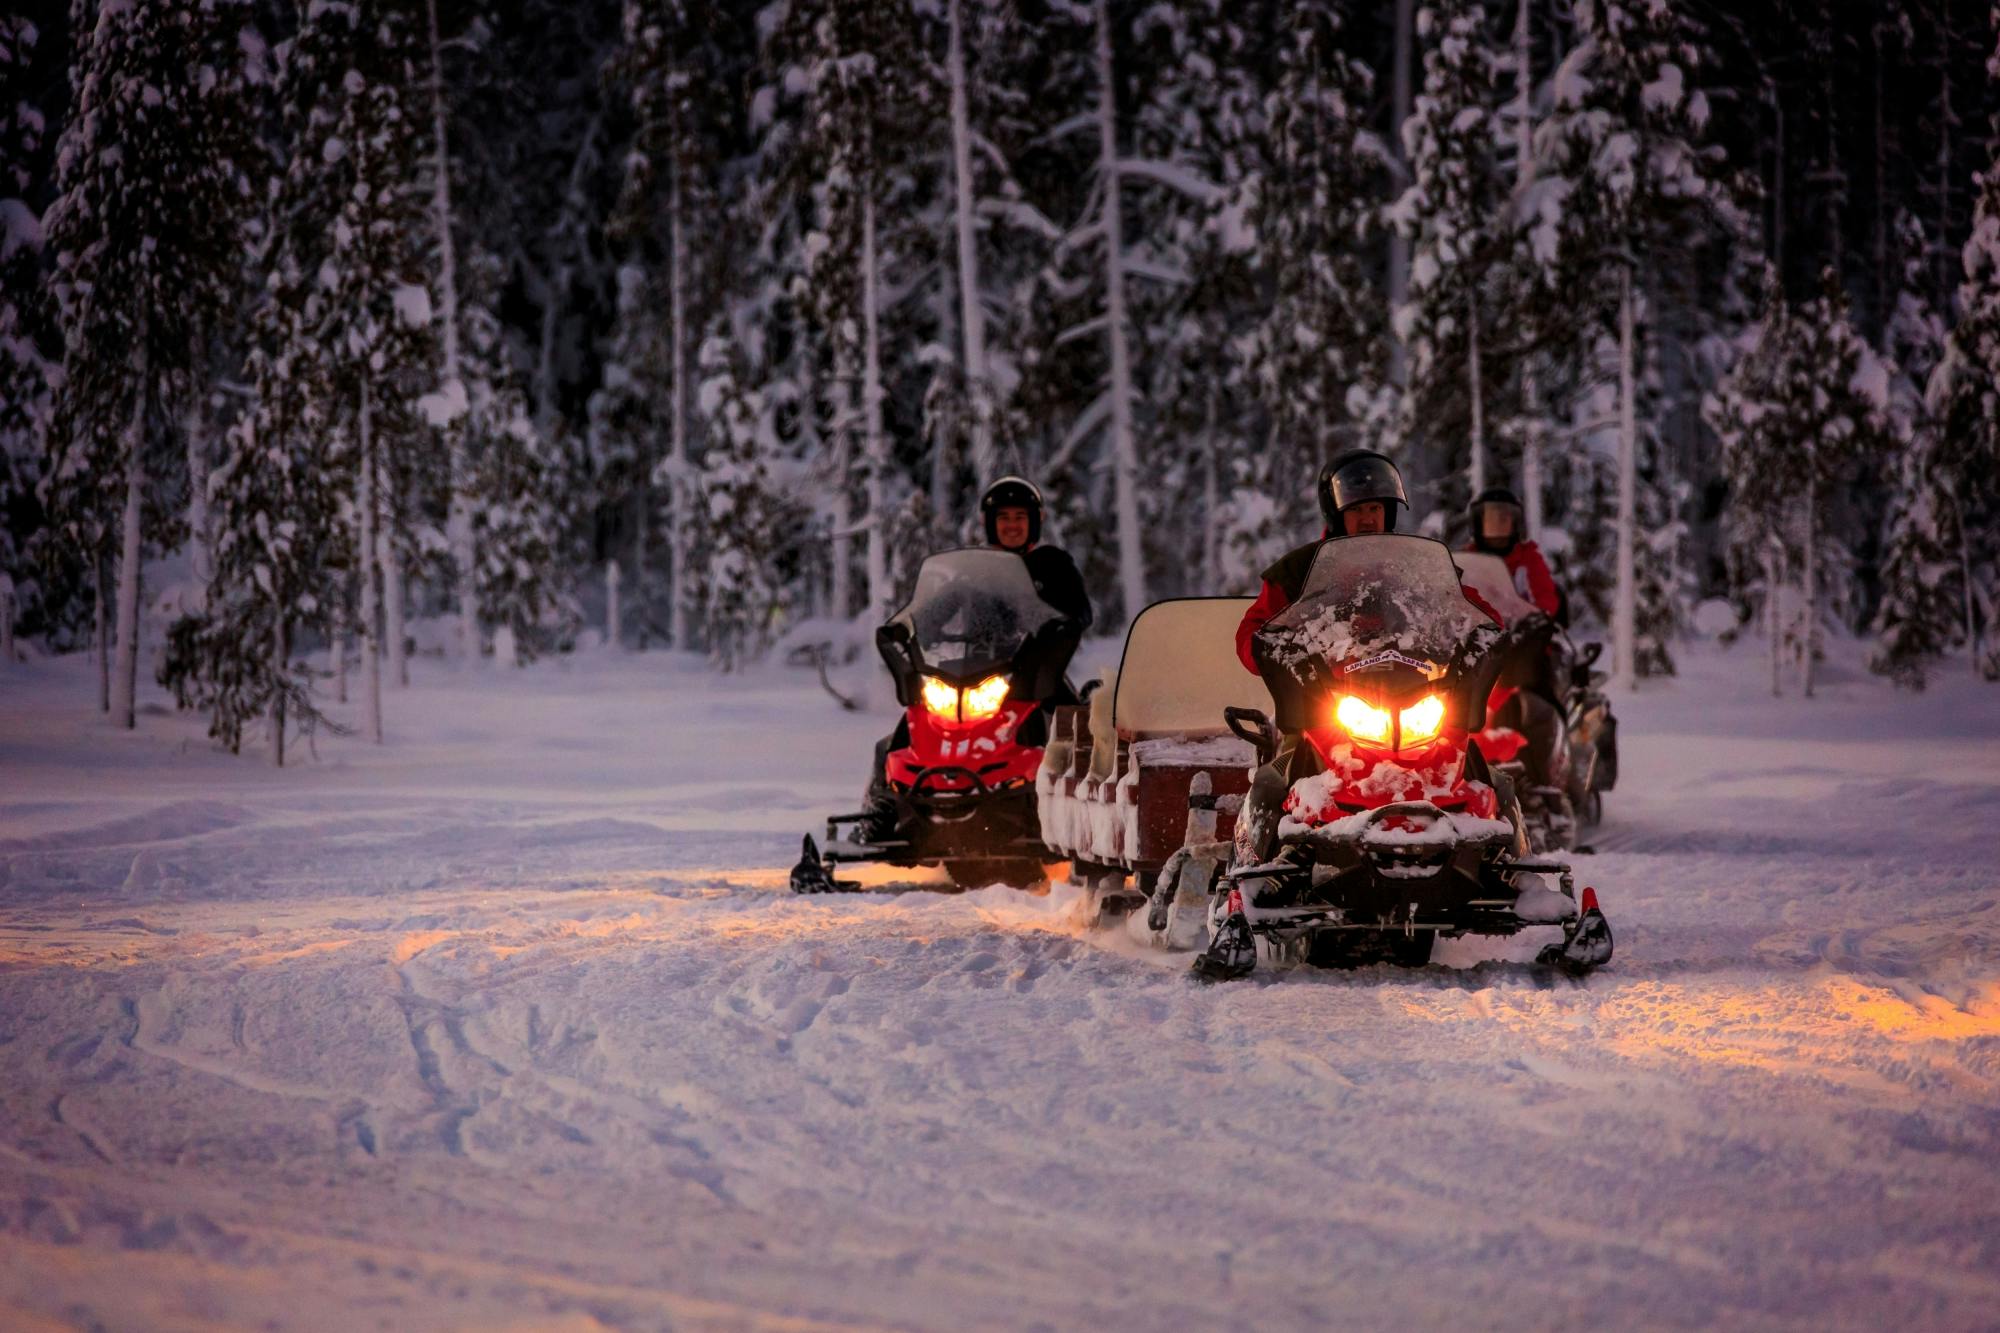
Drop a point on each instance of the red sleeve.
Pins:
(1541, 584)
(1472, 595)
(1270, 601)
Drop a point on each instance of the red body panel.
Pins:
(1364, 778)
(986, 747)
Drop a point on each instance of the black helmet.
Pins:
(1011, 493)
(1357, 476)
(1495, 495)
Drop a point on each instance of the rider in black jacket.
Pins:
(1012, 511)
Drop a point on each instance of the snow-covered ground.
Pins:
(511, 1022)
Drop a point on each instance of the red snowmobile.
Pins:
(1374, 824)
(976, 655)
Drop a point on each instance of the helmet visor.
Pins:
(1365, 479)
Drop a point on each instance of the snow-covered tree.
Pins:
(146, 237)
(1453, 212)
(1798, 414)
(25, 372)
(743, 519)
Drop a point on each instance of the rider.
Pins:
(1360, 493)
(1011, 510)
(1498, 528)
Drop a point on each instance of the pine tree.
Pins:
(1920, 615)
(145, 234)
(742, 516)
(1797, 416)
(25, 373)
(1310, 205)
(1453, 213)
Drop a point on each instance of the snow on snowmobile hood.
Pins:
(1385, 606)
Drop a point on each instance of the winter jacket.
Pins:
(1531, 576)
(1057, 580)
(1286, 579)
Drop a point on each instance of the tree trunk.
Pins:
(840, 504)
(1211, 500)
(875, 444)
(1944, 121)
(336, 646)
(6, 621)
(1475, 394)
(1774, 616)
(679, 585)
(1524, 176)
(614, 619)
(278, 655)
(125, 673)
(1965, 574)
(393, 592)
(1811, 577)
(100, 627)
(1624, 614)
(1124, 448)
(371, 634)
(972, 318)
(199, 560)
(458, 520)
(1399, 246)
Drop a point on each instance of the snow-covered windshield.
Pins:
(973, 605)
(1488, 575)
(1386, 593)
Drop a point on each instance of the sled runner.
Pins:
(976, 655)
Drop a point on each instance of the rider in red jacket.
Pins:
(1499, 528)
(1360, 492)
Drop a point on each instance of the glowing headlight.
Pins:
(1362, 720)
(984, 699)
(940, 699)
(1422, 721)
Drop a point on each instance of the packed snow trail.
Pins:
(512, 1023)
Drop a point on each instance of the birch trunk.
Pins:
(972, 318)
(1476, 394)
(678, 586)
(100, 629)
(1965, 576)
(1524, 176)
(125, 672)
(1124, 448)
(840, 510)
(1624, 614)
(336, 647)
(1399, 245)
(371, 639)
(614, 618)
(1774, 616)
(875, 443)
(1811, 575)
(278, 655)
(458, 520)
(199, 559)
(1211, 500)
(395, 624)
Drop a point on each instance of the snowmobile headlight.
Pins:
(1422, 721)
(984, 699)
(940, 699)
(1363, 720)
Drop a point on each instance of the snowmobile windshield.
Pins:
(1489, 576)
(972, 610)
(1380, 603)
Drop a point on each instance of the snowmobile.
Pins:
(1375, 823)
(1545, 676)
(975, 655)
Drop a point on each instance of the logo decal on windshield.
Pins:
(1381, 659)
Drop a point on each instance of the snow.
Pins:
(413, 304)
(510, 1022)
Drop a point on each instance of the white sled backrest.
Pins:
(1180, 670)
(1487, 574)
